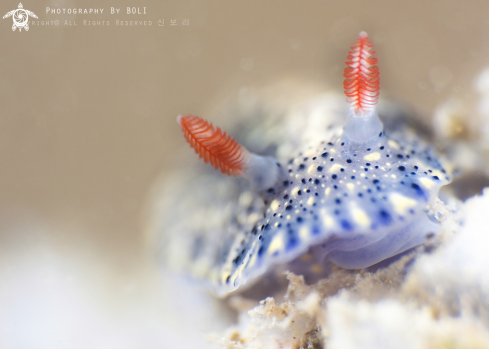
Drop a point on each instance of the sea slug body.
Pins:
(356, 200)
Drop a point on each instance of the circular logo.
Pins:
(20, 17)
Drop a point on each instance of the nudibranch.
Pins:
(356, 199)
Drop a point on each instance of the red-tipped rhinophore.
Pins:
(214, 145)
(362, 82)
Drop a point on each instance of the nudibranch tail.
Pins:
(362, 81)
(227, 155)
(214, 145)
(362, 84)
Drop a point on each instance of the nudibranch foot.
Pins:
(415, 234)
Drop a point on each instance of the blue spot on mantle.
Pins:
(385, 217)
(292, 243)
(346, 225)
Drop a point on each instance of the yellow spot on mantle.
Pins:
(253, 218)
(310, 152)
(310, 169)
(304, 232)
(350, 186)
(393, 144)
(335, 168)
(310, 202)
(294, 191)
(253, 260)
(245, 199)
(427, 183)
(360, 217)
(328, 221)
(277, 244)
(327, 191)
(372, 157)
(224, 277)
(401, 203)
(274, 205)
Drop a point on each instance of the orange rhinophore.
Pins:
(214, 145)
(362, 82)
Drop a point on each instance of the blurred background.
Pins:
(88, 124)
